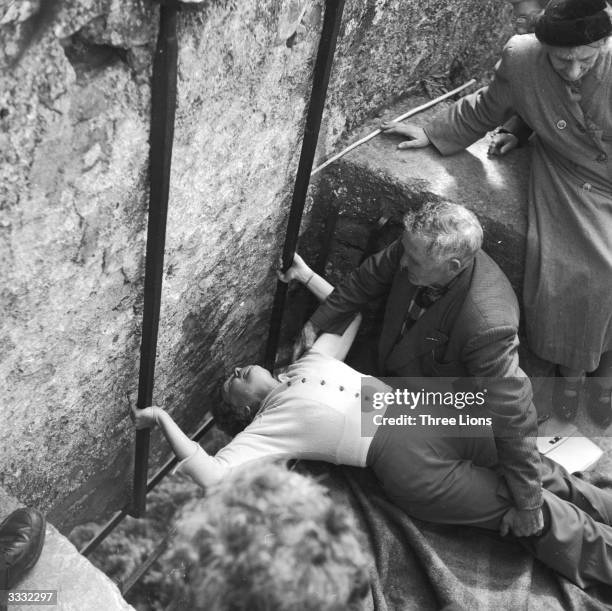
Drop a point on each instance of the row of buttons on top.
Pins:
(323, 382)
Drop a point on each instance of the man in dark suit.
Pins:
(450, 312)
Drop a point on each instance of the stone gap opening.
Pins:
(86, 56)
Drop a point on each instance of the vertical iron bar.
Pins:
(322, 69)
(163, 105)
(93, 544)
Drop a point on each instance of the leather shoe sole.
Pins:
(22, 535)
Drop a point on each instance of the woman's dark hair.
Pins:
(231, 420)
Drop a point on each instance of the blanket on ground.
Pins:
(424, 566)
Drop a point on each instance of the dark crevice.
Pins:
(87, 57)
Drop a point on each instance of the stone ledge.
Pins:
(80, 586)
(379, 176)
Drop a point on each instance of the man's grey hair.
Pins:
(453, 231)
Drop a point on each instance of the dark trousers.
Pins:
(458, 481)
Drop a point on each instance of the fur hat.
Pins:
(573, 23)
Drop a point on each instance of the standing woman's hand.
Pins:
(502, 142)
(417, 138)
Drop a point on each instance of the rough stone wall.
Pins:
(73, 195)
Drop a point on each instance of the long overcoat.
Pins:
(568, 273)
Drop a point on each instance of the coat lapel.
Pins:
(430, 333)
(402, 291)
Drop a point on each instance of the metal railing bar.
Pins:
(106, 530)
(92, 545)
(163, 106)
(318, 94)
(169, 465)
(126, 586)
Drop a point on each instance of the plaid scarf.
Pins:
(424, 297)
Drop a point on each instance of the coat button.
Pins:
(587, 186)
(561, 124)
(602, 157)
(341, 387)
(356, 394)
(303, 380)
(289, 383)
(322, 382)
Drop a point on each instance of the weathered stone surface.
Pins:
(80, 586)
(73, 194)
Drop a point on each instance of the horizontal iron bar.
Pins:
(127, 585)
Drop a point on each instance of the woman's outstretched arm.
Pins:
(195, 462)
(260, 440)
(330, 344)
(152, 416)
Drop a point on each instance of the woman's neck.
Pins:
(267, 388)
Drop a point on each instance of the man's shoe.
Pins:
(22, 535)
(599, 405)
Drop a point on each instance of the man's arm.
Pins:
(367, 283)
(331, 344)
(494, 355)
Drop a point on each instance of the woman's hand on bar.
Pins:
(146, 418)
(298, 271)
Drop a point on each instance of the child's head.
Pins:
(267, 538)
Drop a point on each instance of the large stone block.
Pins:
(378, 180)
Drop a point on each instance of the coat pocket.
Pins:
(437, 361)
(433, 365)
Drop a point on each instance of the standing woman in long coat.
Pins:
(560, 82)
